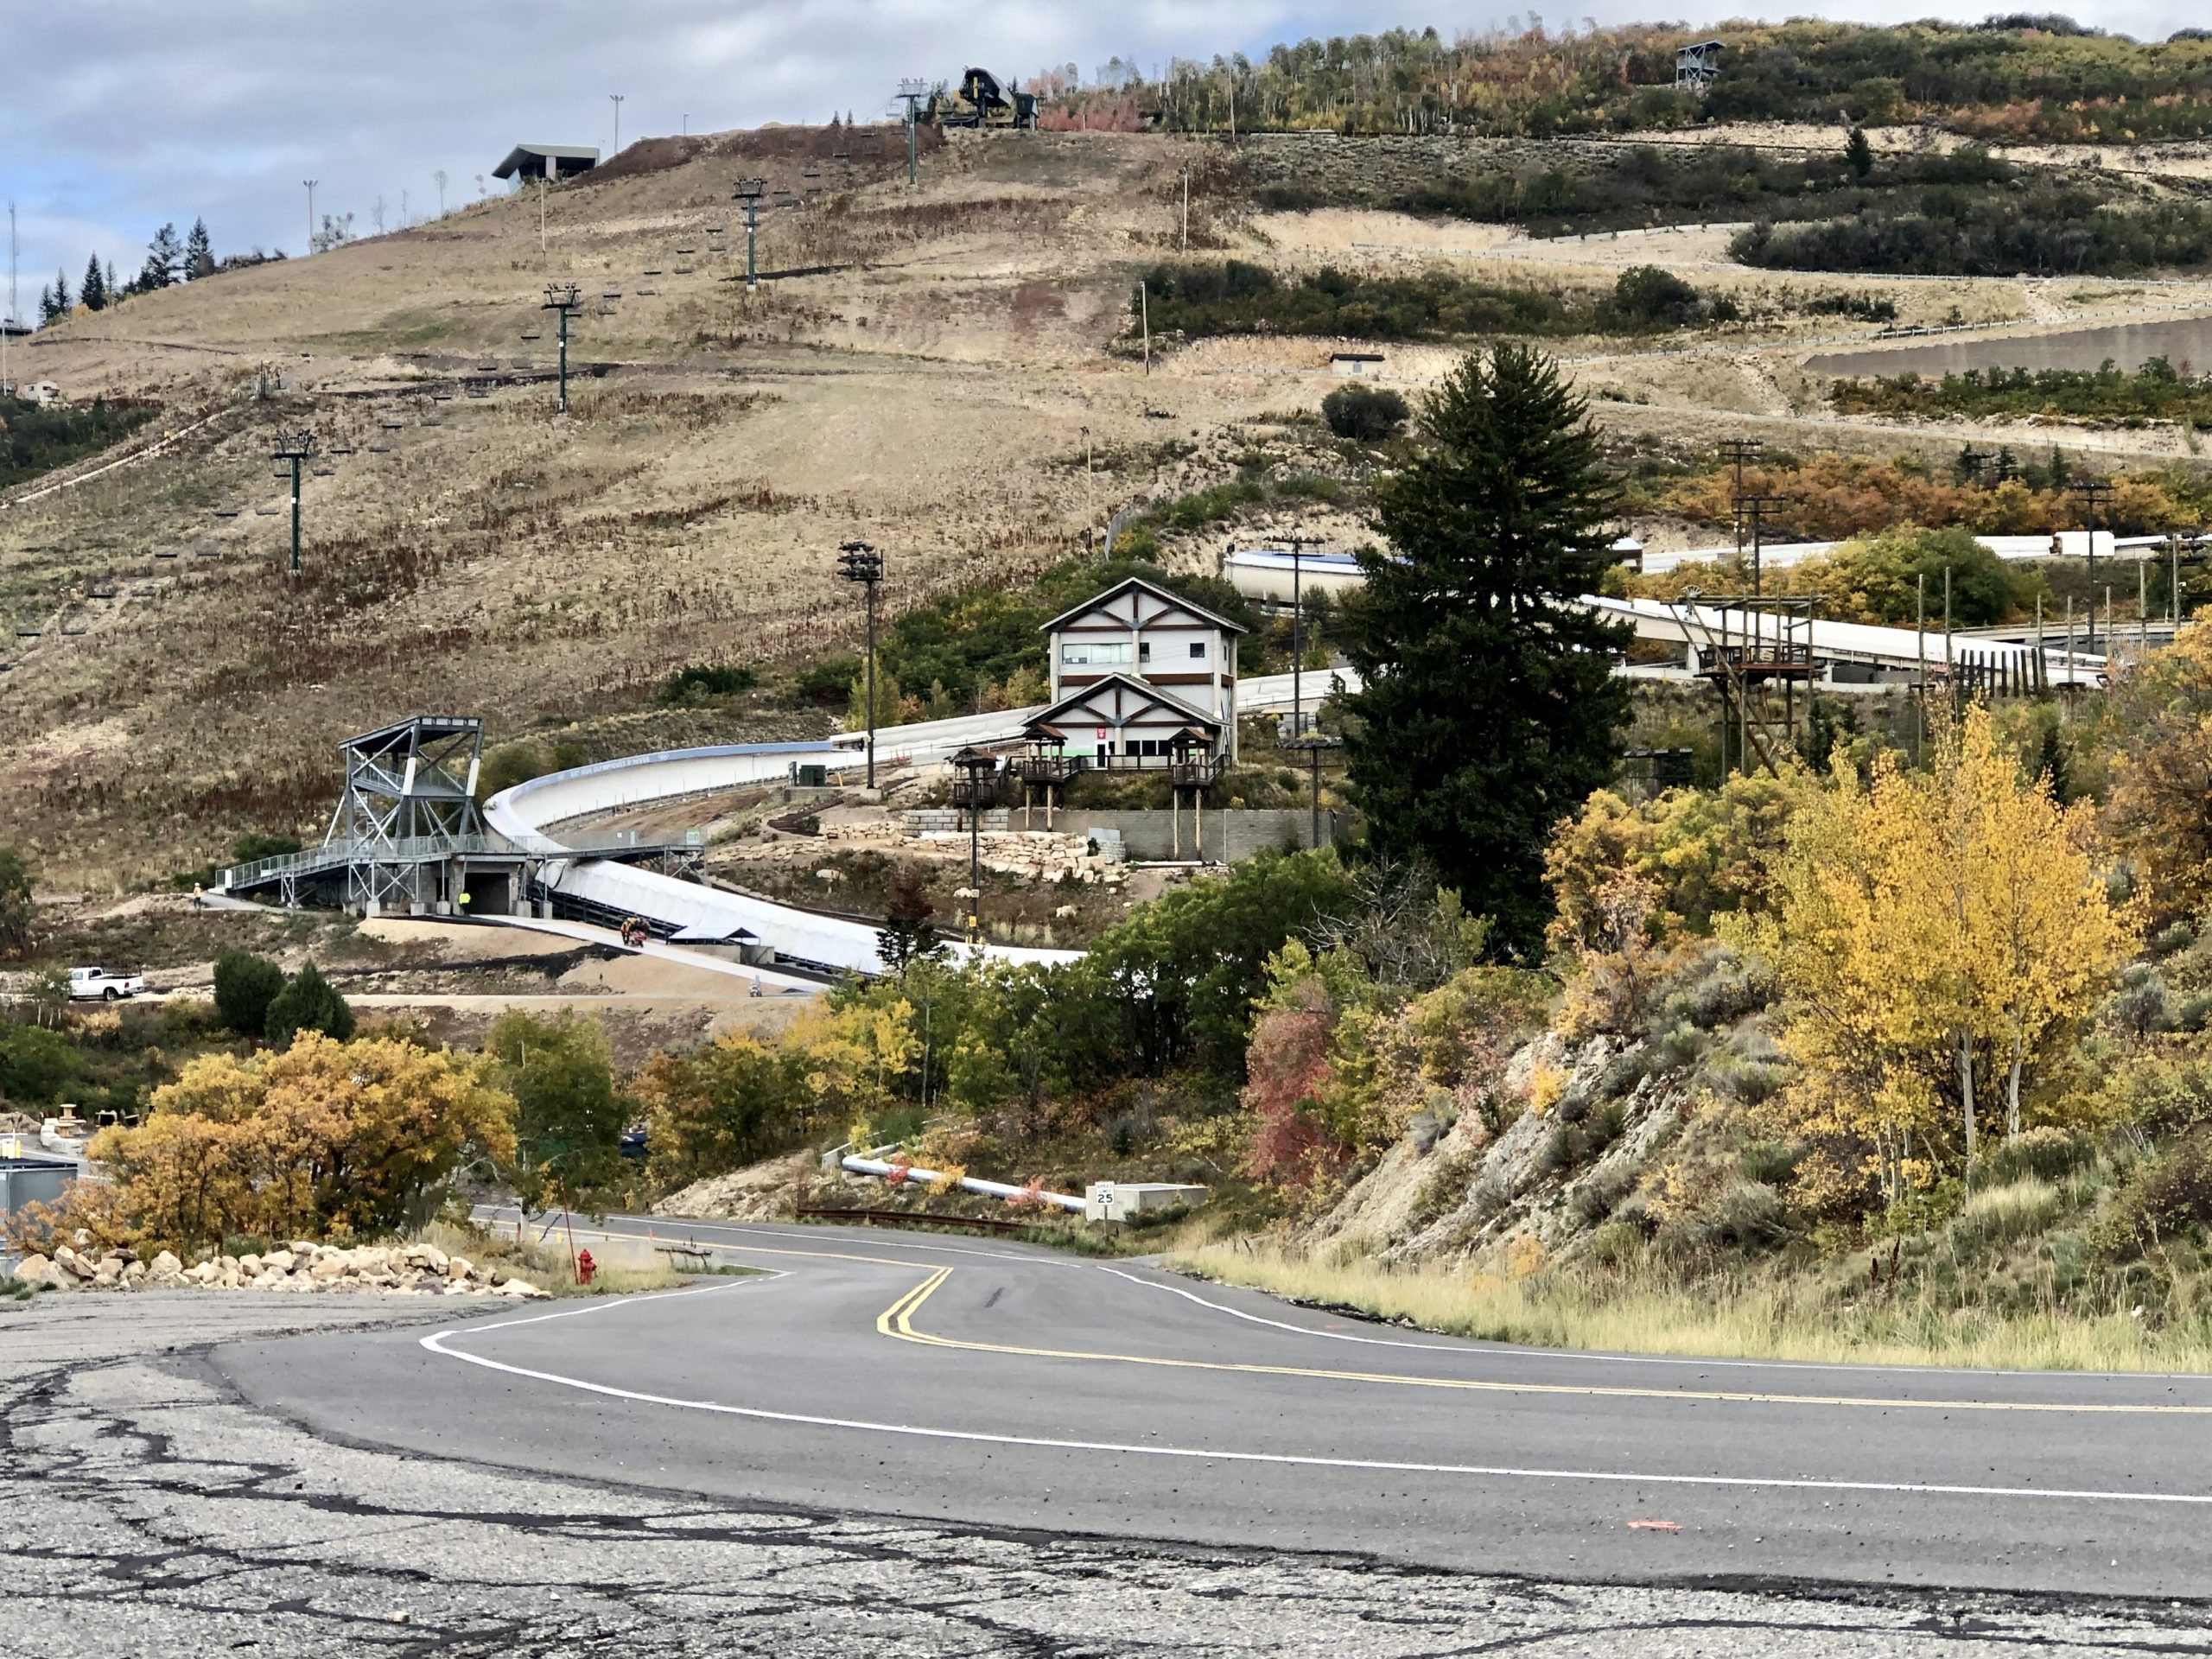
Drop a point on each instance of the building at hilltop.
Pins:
(1698, 67)
(553, 161)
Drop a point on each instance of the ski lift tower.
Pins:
(749, 191)
(910, 93)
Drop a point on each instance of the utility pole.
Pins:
(1756, 506)
(8, 323)
(858, 562)
(1144, 311)
(1186, 211)
(310, 184)
(749, 191)
(295, 448)
(911, 92)
(2094, 490)
(1089, 487)
(976, 765)
(1737, 450)
(564, 299)
(617, 151)
(541, 213)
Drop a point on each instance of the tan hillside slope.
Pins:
(926, 387)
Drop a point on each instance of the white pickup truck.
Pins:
(96, 984)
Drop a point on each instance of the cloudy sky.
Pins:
(122, 114)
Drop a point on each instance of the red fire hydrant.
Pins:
(585, 1268)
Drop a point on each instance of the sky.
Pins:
(122, 115)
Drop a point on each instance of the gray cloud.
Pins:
(124, 114)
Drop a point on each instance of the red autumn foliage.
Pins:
(1286, 1069)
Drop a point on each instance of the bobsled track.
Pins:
(531, 816)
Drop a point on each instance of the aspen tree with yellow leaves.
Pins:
(1938, 937)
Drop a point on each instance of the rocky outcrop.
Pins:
(301, 1267)
(1586, 1120)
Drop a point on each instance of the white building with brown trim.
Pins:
(1139, 676)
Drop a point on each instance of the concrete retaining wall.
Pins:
(1235, 833)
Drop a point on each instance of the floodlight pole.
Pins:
(617, 151)
(749, 191)
(295, 448)
(563, 298)
(310, 184)
(1298, 545)
(857, 562)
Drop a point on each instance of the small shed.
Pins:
(1358, 364)
(554, 161)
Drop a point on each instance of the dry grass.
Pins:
(545, 1265)
(1565, 1309)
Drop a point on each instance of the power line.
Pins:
(2093, 491)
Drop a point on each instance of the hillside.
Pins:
(919, 369)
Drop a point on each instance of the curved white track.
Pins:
(524, 813)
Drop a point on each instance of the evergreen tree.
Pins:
(246, 985)
(114, 288)
(199, 253)
(908, 934)
(308, 1003)
(93, 294)
(54, 301)
(1858, 154)
(1489, 710)
(164, 259)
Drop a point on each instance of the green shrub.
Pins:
(1365, 414)
(2045, 1151)
(36, 1065)
(246, 985)
(700, 681)
(1999, 1215)
(308, 1003)
(2163, 1200)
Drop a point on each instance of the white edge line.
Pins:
(1477, 1348)
(434, 1343)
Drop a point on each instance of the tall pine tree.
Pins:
(1489, 710)
(93, 295)
(199, 253)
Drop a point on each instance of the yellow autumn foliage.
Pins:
(1938, 937)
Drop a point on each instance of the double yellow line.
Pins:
(897, 1321)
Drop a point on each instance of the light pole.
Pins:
(295, 446)
(310, 184)
(617, 98)
(749, 191)
(563, 297)
(858, 562)
(2094, 490)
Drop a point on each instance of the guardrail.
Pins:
(908, 1218)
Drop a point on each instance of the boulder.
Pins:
(32, 1269)
(329, 1264)
(228, 1263)
(280, 1261)
(166, 1266)
(202, 1273)
(133, 1272)
(250, 1265)
(519, 1288)
(458, 1267)
(109, 1272)
(71, 1263)
(229, 1278)
(371, 1258)
(302, 1247)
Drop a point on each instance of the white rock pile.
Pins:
(300, 1267)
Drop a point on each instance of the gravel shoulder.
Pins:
(145, 1510)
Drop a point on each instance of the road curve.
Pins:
(1001, 1384)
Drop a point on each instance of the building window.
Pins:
(1144, 651)
(1075, 654)
(1197, 650)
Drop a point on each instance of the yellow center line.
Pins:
(897, 1320)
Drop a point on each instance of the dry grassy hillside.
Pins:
(918, 369)
(927, 391)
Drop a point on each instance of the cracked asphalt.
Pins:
(148, 1508)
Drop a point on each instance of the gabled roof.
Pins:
(1157, 696)
(1159, 592)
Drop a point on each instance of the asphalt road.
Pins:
(996, 1384)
